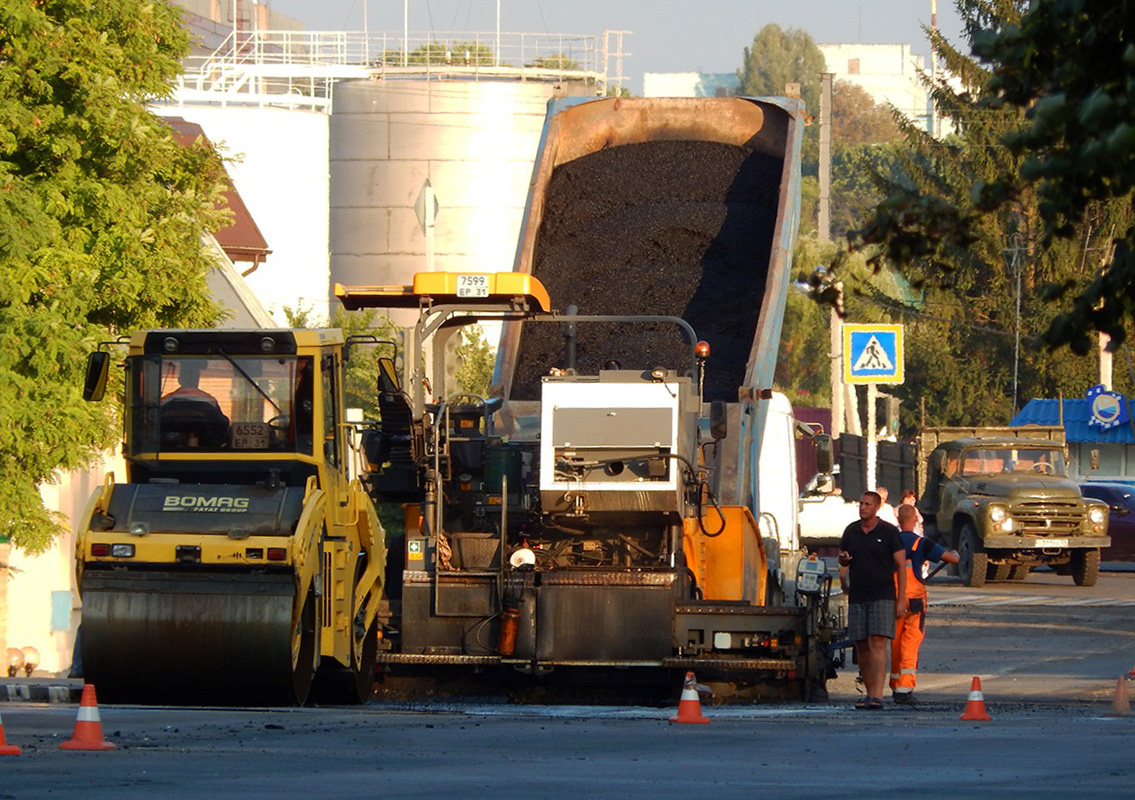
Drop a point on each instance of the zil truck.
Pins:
(1003, 499)
(616, 511)
(237, 560)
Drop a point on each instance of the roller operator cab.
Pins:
(238, 561)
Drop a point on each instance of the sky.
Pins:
(666, 35)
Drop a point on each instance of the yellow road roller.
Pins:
(240, 561)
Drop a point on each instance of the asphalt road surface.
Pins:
(1041, 639)
(1048, 655)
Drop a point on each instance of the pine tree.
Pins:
(1071, 65)
(966, 257)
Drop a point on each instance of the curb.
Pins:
(12, 692)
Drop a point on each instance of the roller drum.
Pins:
(179, 637)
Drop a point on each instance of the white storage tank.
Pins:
(474, 141)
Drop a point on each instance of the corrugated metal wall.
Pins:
(475, 141)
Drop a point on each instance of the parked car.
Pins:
(1120, 498)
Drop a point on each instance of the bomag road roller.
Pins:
(239, 562)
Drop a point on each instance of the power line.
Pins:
(898, 307)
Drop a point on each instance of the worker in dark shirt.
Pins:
(871, 553)
(191, 417)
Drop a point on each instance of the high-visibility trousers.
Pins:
(909, 630)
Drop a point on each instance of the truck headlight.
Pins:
(1096, 515)
(997, 513)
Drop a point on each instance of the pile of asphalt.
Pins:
(669, 228)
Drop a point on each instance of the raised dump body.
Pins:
(597, 515)
(678, 207)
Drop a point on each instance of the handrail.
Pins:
(257, 66)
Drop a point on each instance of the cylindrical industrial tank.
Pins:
(474, 141)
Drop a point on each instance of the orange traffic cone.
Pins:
(1120, 706)
(689, 707)
(88, 727)
(975, 708)
(5, 748)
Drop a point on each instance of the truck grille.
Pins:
(1049, 519)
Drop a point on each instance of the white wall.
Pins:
(280, 169)
(690, 84)
(670, 84)
(888, 72)
(33, 579)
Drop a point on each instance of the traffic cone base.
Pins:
(1121, 705)
(88, 726)
(5, 748)
(689, 707)
(975, 708)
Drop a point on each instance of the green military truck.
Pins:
(1003, 499)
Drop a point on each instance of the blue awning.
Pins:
(1077, 412)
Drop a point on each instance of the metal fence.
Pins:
(298, 68)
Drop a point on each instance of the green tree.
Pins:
(862, 133)
(853, 192)
(973, 264)
(361, 379)
(802, 366)
(779, 57)
(101, 219)
(858, 120)
(1078, 145)
(557, 61)
(361, 374)
(1058, 169)
(862, 138)
(477, 358)
(458, 54)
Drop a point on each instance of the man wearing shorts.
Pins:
(873, 555)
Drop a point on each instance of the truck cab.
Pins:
(1005, 502)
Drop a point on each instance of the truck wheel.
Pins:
(303, 653)
(1018, 572)
(998, 572)
(972, 562)
(339, 684)
(1086, 567)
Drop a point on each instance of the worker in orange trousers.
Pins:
(911, 626)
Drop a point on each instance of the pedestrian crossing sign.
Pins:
(872, 353)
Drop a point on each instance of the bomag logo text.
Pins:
(198, 504)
